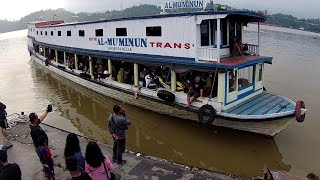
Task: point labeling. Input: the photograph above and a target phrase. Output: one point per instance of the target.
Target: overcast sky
(15, 9)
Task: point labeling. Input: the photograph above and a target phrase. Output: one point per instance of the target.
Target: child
(45, 157)
(72, 166)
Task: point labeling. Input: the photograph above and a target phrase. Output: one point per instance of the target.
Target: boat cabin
(171, 48)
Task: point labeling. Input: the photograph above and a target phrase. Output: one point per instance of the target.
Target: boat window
(41, 33)
(245, 76)
(99, 32)
(232, 30)
(121, 31)
(51, 33)
(153, 31)
(224, 32)
(204, 30)
(239, 29)
(232, 81)
(68, 33)
(260, 73)
(81, 33)
(37, 32)
(46, 33)
(59, 33)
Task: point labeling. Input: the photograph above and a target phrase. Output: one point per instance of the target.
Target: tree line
(287, 21)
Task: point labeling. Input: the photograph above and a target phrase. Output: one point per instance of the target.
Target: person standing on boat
(195, 90)
(4, 125)
(118, 123)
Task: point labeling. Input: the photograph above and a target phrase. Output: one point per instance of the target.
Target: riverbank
(137, 167)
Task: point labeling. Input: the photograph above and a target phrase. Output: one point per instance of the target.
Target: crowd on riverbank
(94, 165)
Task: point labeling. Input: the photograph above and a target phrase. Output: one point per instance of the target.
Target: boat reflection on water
(173, 139)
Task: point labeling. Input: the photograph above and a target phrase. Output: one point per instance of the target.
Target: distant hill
(289, 21)
(141, 10)
(67, 16)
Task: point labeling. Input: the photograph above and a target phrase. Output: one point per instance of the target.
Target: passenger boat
(174, 47)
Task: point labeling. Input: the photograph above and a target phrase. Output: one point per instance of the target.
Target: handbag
(113, 175)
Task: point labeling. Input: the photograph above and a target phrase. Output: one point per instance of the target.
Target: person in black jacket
(4, 125)
(9, 171)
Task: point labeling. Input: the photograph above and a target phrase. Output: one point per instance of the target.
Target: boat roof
(229, 63)
(247, 16)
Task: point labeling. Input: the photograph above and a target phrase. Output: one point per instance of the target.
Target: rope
(15, 118)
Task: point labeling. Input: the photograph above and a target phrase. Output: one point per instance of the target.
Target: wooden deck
(235, 61)
(266, 105)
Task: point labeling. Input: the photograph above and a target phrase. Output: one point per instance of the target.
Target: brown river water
(294, 73)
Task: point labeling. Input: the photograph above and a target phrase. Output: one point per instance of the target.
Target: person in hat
(10, 171)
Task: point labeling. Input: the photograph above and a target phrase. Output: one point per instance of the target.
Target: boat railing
(208, 54)
(253, 49)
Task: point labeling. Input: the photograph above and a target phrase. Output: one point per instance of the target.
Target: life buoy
(208, 111)
(166, 95)
(299, 116)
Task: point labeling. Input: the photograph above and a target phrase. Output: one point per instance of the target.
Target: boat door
(231, 86)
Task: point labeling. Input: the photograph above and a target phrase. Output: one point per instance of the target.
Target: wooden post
(90, 66)
(221, 86)
(110, 68)
(218, 38)
(56, 55)
(65, 58)
(210, 31)
(76, 61)
(136, 74)
(173, 81)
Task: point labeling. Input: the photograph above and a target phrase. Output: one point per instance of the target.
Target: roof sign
(184, 4)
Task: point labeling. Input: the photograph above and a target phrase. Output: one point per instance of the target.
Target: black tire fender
(166, 95)
(299, 116)
(202, 111)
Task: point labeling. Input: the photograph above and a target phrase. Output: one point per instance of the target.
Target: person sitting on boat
(236, 47)
(147, 79)
(71, 64)
(120, 76)
(195, 90)
(245, 49)
(95, 72)
(100, 72)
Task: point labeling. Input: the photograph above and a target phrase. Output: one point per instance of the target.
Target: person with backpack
(118, 123)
